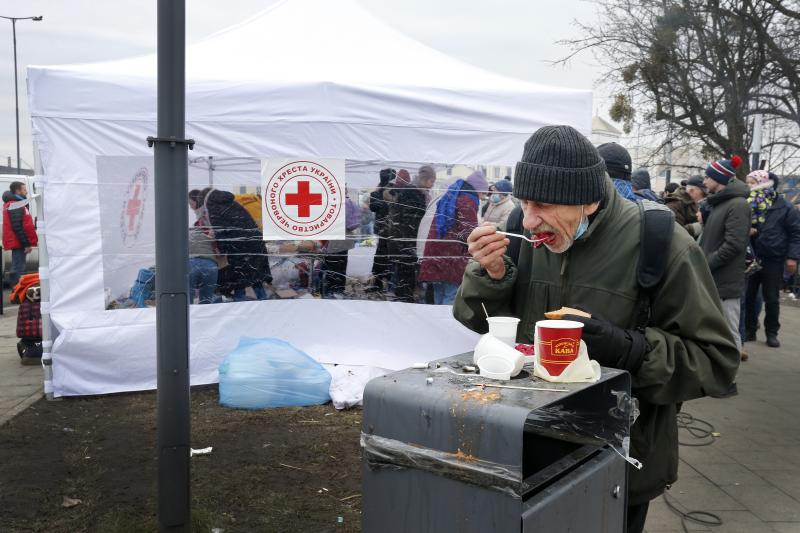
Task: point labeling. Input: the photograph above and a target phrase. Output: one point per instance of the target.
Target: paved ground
(20, 386)
(750, 477)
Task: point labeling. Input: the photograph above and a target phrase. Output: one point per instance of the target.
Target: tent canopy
(320, 62)
(313, 78)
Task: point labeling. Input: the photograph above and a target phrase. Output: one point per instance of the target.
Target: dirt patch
(291, 469)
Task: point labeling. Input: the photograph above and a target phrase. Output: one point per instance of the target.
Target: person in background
(671, 187)
(682, 351)
(239, 240)
(407, 204)
(446, 254)
(334, 262)
(640, 181)
(618, 166)
(252, 204)
(775, 238)
(500, 204)
(724, 239)
(485, 205)
(19, 231)
(203, 268)
(684, 204)
(696, 188)
(367, 227)
(381, 263)
(425, 180)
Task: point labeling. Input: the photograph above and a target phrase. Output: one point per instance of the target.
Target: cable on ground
(697, 428)
(706, 434)
(699, 517)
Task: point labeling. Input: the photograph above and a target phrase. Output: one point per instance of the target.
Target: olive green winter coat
(725, 236)
(692, 351)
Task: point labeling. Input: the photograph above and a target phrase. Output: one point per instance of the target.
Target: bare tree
(699, 68)
(780, 94)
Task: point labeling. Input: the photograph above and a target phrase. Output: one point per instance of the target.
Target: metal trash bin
(450, 455)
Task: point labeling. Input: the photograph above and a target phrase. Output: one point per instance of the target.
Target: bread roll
(559, 314)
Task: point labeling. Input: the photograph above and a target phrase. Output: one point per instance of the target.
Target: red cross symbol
(303, 199)
(133, 208)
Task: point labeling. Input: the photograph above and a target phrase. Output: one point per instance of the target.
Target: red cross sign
(303, 199)
(133, 207)
(134, 203)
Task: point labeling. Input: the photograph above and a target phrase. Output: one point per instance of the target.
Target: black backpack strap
(514, 225)
(657, 226)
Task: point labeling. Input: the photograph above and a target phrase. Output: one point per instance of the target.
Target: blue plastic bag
(144, 286)
(269, 372)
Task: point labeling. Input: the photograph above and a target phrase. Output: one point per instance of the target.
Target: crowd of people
(747, 229)
(229, 260)
(419, 234)
(420, 237)
(421, 251)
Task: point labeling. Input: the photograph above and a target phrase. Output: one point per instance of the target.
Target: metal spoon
(532, 241)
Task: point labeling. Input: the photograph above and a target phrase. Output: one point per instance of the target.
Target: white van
(32, 260)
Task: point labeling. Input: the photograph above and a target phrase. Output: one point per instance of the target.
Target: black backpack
(656, 237)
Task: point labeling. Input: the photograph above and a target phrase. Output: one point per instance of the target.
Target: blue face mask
(495, 198)
(583, 225)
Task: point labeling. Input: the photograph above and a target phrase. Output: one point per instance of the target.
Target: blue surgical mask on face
(495, 198)
(583, 225)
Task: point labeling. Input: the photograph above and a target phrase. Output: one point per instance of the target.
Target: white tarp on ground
(306, 77)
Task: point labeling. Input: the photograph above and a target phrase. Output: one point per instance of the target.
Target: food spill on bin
(465, 457)
(481, 395)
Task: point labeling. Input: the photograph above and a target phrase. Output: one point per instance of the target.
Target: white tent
(303, 78)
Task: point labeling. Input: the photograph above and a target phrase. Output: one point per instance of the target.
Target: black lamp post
(16, 84)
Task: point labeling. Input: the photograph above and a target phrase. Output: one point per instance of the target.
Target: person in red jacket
(446, 254)
(19, 231)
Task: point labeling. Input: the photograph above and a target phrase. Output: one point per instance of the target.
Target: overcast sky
(512, 37)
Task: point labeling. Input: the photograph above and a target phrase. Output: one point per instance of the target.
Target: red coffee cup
(558, 343)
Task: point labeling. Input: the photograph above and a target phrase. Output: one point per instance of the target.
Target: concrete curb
(24, 404)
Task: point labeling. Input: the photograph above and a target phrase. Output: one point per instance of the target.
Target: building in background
(8, 169)
(604, 132)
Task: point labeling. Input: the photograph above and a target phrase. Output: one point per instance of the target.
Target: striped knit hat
(724, 170)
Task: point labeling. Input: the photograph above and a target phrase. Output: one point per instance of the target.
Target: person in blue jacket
(775, 237)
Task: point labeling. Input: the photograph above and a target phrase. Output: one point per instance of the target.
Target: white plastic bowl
(495, 367)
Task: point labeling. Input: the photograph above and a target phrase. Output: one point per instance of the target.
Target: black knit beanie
(560, 166)
(641, 180)
(387, 175)
(618, 160)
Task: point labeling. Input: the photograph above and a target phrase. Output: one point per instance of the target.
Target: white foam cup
(495, 367)
(504, 328)
(491, 345)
